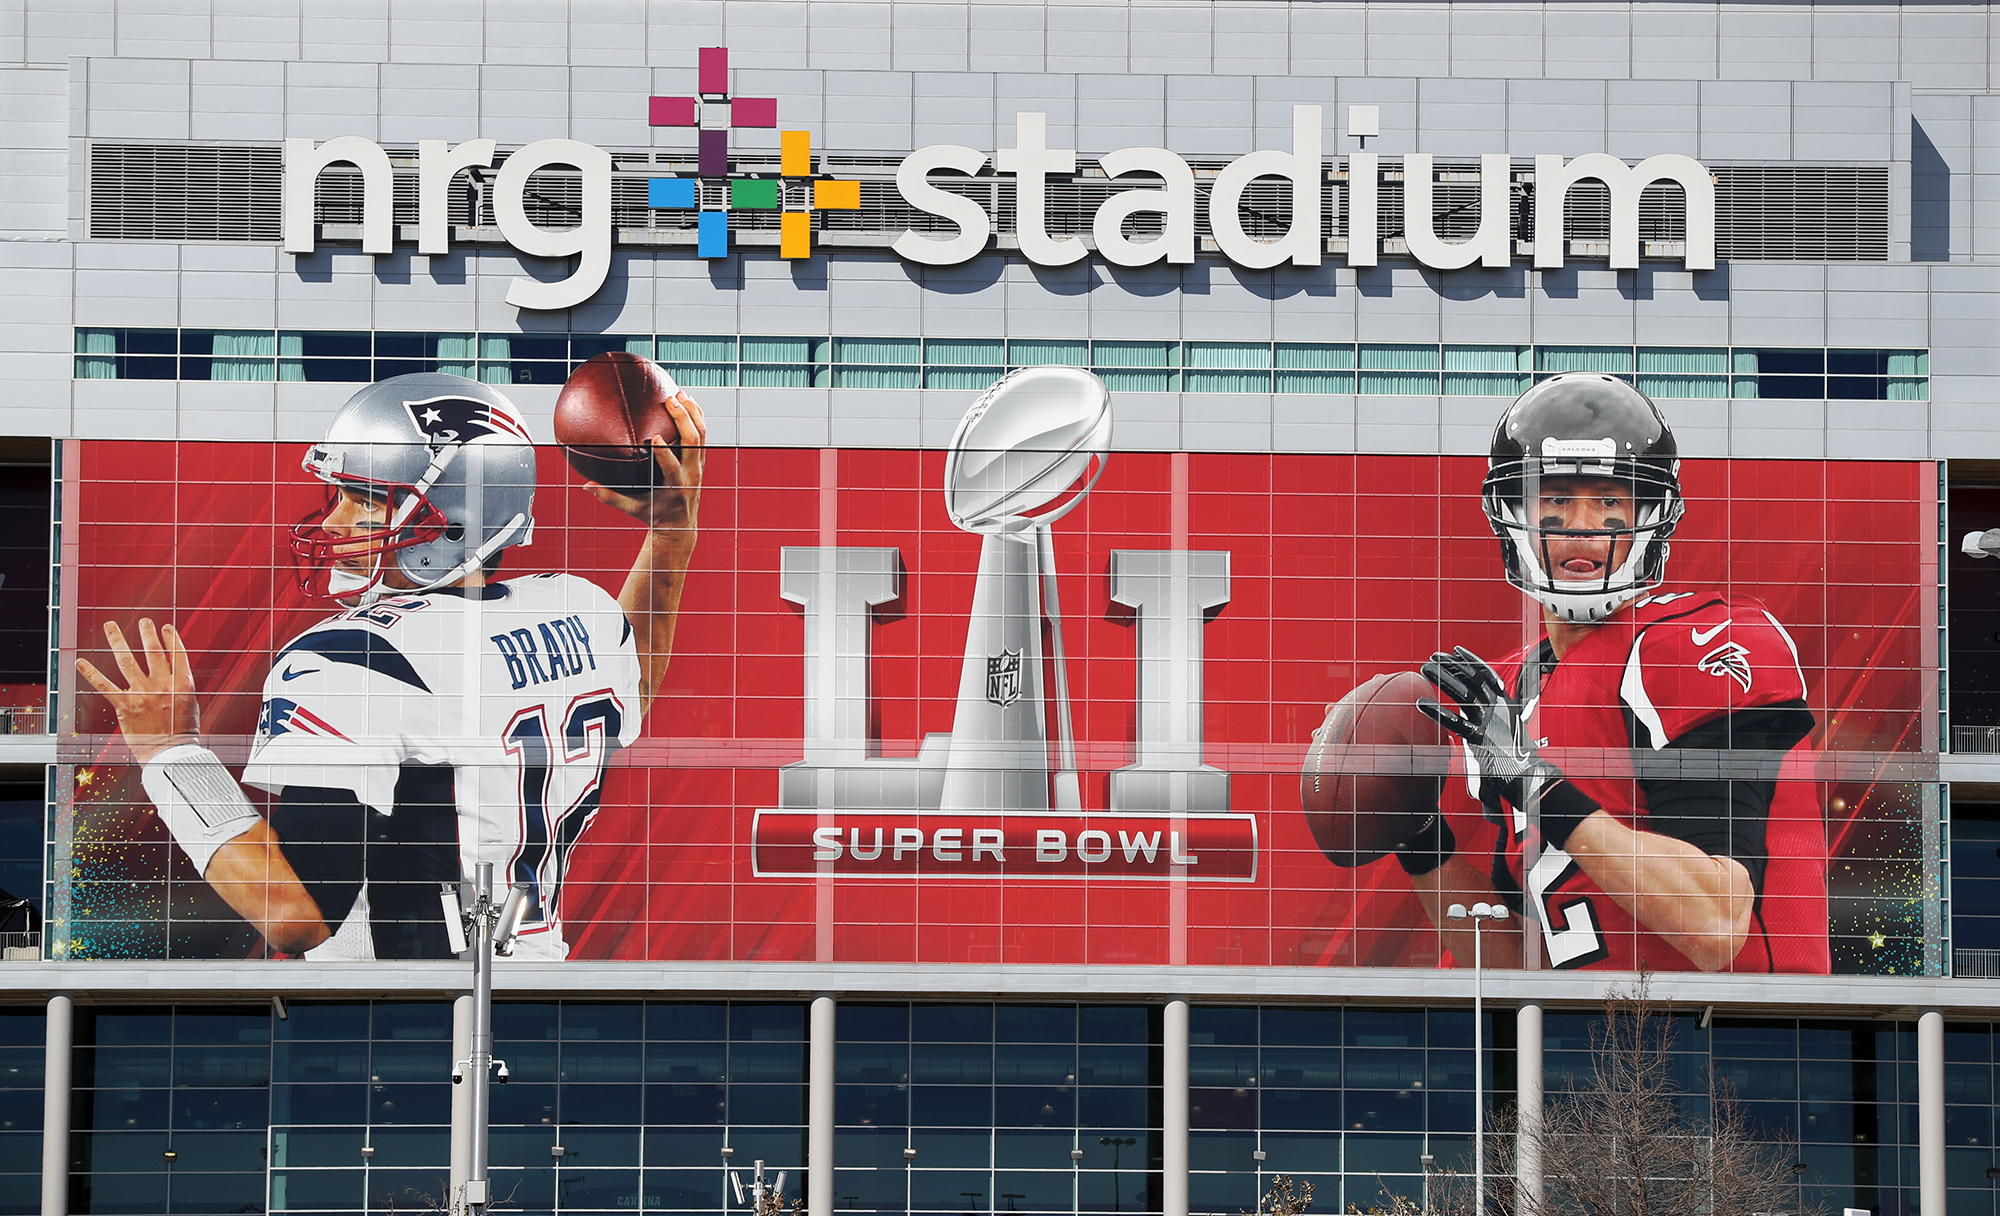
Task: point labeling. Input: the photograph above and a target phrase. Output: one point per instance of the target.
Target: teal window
(1136, 367)
(1683, 371)
(877, 363)
(1391, 369)
(699, 362)
(1778, 373)
(1612, 360)
(1314, 367)
(1228, 367)
(222, 355)
(1486, 371)
(784, 363)
(1038, 352)
(339, 356)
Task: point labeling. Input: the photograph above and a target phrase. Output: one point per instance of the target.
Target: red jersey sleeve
(1690, 669)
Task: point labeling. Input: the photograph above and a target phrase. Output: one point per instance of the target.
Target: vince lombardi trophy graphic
(1023, 456)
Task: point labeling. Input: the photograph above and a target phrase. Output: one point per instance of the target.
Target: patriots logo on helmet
(1729, 660)
(448, 420)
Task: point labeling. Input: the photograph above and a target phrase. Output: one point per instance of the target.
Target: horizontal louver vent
(169, 192)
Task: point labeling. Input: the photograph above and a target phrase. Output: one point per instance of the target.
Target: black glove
(1496, 740)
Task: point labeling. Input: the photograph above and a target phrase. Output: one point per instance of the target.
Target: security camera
(457, 1074)
(501, 1074)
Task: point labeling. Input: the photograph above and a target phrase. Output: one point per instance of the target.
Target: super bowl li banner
(1030, 699)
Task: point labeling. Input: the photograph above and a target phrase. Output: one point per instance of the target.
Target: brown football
(1372, 774)
(605, 414)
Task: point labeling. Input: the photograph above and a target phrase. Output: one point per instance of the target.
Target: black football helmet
(1583, 424)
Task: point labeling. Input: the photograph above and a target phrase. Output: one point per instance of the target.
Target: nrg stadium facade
(1312, 250)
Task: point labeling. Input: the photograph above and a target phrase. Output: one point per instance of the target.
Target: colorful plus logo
(797, 192)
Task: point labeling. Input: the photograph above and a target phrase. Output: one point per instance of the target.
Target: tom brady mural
(1030, 699)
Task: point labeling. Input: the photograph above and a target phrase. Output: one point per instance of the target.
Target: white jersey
(505, 701)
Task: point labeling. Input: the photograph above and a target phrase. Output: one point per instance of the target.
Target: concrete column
(1528, 1094)
(1174, 1110)
(1930, 1114)
(819, 1109)
(461, 1096)
(55, 1105)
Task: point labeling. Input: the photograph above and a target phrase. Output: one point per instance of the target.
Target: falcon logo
(1003, 678)
(1730, 660)
(448, 420)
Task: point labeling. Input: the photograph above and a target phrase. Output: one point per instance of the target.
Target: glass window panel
(685, 1062)
(1212, 1024)
(1315, 382)
(546, 347)
(329, 344)
(1136, 382)
(1383, 1028)
(1222, 1107)
(950, 1105)
(1377, 356)
(1034, 1106)
(1296, 1154)
(1035, 1023)
(333, 371)
(1031, 1064)
(518, 1103)
(1616, 360)
(1394, 384)
(784, 350)
(1385, 1110)
(413, 1103)
(1104, 1065)
(1856, 388)
(961, 378)
(1232, 1066)
(1315, 356)
(1301, 1067)
(1487, 359)
(317, 1146)
(772, 1062)
(964, 351)
(1790, 387)
(97, 342)
(598, 1104)
(1666, 386)
(591, 1020)
(871, 1147)
(223, 1066)
(122, 1067)
(951, 1063)
(1857, 362)
(955, 1147)
(418, 1060)
(673, 1020)
(1908, 362)
(781, 1147)
(600, 1062)
(700, 1146)
(1301, 1027)
(319, 1103)
(877, 350)
(876, 377)
(1966, 1125)
(951, 1023)
(949, 1191)
(1784, 361)
(873, 1063)
(222, 1026)
(702, 375)
(1743, 388)
(219, 1109)
(1228, 354)
(129, 1027)
(1225, 1192)
(1032, 1148)
(766, 1103)
(1476, 384)
(684, 1104)
(1299, 1109)
(765, 376)
(870, 1190)
(1033, 352)
(584, 346)
(1683, 360)
(532, 1061)
(1901, 389)
(681, 348)
(1135, 354)
(1226, 382)
(1122, 1106)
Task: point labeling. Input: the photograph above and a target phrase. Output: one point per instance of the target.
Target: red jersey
(1695, 671)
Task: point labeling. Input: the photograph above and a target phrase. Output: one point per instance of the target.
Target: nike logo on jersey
(291, 673)
(1729, 660)
(1702, 638)
(564, 650)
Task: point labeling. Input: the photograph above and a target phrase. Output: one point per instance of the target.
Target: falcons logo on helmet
(448, 420)
(1729, 660)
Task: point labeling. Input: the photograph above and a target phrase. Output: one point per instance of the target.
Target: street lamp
(1479, 912)
(488, 928)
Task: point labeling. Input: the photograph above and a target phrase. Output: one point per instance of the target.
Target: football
(1028, 450)
(605, 414)
(1372, 775)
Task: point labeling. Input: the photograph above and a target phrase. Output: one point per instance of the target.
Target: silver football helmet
(450, 462)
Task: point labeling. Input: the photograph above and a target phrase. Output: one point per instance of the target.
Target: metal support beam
(1528, 1094)
(461, 1095)
(1930, 1114)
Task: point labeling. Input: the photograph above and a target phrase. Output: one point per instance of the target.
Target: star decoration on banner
(797, 192)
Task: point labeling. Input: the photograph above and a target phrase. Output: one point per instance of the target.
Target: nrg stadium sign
(1163, 186)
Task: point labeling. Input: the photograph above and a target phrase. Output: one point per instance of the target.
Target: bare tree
(1286, 1198)
(1630, 1139)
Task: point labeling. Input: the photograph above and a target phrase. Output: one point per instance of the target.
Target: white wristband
(198, 800)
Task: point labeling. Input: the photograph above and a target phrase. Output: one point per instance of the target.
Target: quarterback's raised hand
(1490, 723)
(651, 596)
(157, 708)
(674, 504)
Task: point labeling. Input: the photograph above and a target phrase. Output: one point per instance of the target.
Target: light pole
(492, 927)
(1480, 912)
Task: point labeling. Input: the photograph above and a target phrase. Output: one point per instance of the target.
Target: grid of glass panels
(22, 1032)
(729, 361)
(997, 1108)
(1349, 1099)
